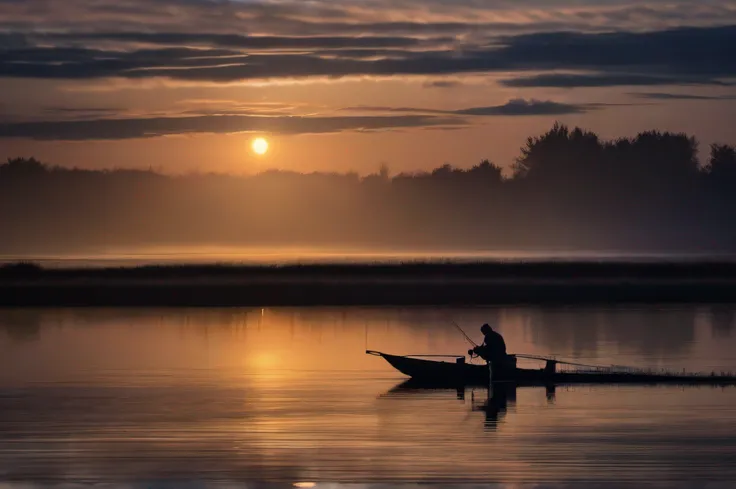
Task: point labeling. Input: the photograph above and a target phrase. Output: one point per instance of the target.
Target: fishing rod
(463, 333)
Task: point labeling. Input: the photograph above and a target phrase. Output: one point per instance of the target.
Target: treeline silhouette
(568, 189)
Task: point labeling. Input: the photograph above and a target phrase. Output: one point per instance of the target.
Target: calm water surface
(288, 395)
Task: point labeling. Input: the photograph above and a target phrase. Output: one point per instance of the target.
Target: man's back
(496, 345)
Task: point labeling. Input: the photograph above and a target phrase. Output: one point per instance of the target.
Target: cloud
(604, 80)
(232, 118)
(112, 129)
(680, 96)
(698, 52)
(13, 40)
(515, 107)
(87, 110)
(499, 17)
(244, 42)
(299, 18)
(442, 84)
(521, 107)
(673, 57)
(71, 113)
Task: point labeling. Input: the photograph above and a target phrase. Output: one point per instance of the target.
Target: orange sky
(349, 86)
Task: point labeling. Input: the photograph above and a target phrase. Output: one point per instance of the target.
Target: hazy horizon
(570, 192)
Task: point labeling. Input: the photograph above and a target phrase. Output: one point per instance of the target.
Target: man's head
(485, 329)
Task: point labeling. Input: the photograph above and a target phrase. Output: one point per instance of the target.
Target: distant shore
(483, 283)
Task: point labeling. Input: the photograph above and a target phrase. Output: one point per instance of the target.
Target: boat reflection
(494, 402)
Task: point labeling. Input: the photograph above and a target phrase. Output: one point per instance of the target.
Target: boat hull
(440, 372)
(465, 374)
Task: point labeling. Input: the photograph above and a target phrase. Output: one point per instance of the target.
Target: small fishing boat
(425, 369)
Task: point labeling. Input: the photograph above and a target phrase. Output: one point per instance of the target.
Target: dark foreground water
(153, 398)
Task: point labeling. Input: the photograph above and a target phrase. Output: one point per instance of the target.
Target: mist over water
(288, 395)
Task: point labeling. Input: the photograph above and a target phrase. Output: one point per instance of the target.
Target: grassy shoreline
(448, 268)
(405, 284)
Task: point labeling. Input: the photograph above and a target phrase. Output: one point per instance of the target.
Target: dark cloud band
(399, 117)
(516, 107)
(680, 96)
(110, 129)
(244, 42)
(680, 56)
(605, 80)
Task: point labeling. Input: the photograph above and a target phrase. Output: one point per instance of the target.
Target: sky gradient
(185, 85)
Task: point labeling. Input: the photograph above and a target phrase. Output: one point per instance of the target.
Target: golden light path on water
(288, 395)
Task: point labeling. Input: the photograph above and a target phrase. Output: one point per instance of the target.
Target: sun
(260, 146)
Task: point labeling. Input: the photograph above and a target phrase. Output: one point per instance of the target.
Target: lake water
(141, 398)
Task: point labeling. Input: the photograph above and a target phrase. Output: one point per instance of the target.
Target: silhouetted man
(493, 349)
